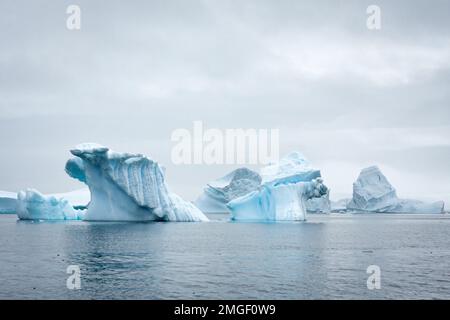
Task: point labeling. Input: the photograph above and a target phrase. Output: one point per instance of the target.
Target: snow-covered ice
(33, 205)
(372, 192)
(127, 187)
(219, 192)
(8, 202)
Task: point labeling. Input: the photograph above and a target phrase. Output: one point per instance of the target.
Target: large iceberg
(33, 205)
(372, 192)
(219, 192)
(285, 189)
(127, 187)
(8, 202)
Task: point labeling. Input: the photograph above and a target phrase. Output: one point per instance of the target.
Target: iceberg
(276, 202)
(372, 192)
(127, 187)
(33, 205)
(219, 192)
(8, 202)
(286, 187)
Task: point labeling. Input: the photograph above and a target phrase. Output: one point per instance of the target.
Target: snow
(372, 192)
(219, 192)
(127, 187)
(33, 205)
(8, 202)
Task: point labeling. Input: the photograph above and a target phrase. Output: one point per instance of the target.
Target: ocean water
(323, 258)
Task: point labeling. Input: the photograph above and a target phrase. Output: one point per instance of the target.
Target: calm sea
(324, 258)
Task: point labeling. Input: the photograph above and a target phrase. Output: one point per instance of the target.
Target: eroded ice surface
(33, 205)
(127, 187)
(219, 192)
(8, 202)
(372, 192)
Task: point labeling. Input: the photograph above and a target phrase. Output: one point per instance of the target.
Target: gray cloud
(343, 95)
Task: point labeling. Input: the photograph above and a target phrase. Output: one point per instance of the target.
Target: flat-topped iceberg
(33, 205)
(372, 192)
(127, 187)
(8, 202)
(219, 192)
(282, 196)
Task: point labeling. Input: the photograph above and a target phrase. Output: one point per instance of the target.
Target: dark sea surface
(323, 258)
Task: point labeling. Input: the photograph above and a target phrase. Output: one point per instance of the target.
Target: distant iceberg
(33, 205)
(8, 202)
(285, 189)
(219, 192)
(127, 187)
(372, 192)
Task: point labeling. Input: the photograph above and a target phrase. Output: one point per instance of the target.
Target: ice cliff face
(127, 187)
(8, 202)
(32, 205)
(372, 192)
(221, 191)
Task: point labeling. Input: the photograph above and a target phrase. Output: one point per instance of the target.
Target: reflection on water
(325, 257)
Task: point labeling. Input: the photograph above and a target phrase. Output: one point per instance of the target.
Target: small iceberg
(33, 205)
(8, 202)
(372, 192)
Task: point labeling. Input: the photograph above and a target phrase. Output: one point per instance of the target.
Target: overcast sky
(345, 96)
